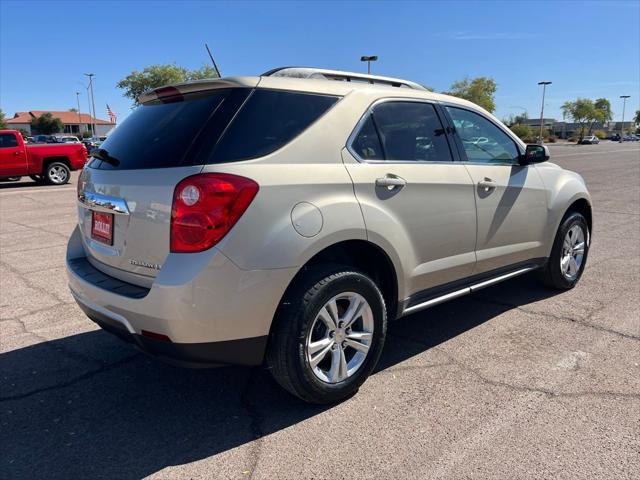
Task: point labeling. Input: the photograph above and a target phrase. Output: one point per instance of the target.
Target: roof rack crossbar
(308, 72)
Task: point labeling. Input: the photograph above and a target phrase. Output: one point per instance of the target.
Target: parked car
(44, 139)
(67, 139)
(292, 223)
(48, 163)
(630, 138)
(615, 137)
(589, 140)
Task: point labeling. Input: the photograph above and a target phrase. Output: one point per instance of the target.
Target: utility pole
(79, 114)
(369, 59)
(624, 104)
(93, 103)
(544, 87)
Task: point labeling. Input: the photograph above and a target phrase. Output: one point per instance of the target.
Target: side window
(411, 131)
(367, 143)
(8, 140)
(483, 141)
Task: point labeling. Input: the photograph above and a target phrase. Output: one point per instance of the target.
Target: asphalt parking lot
(513, 382)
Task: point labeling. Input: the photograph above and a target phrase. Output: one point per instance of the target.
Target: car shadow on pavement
(90, 406)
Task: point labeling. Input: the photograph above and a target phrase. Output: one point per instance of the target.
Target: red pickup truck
(50, 163)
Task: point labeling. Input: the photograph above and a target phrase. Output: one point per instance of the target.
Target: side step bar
(465, 291)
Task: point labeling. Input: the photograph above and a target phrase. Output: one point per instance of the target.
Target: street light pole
(79, 114)
(544, 87)
(369, 59)
(93, 103)
(624, 104)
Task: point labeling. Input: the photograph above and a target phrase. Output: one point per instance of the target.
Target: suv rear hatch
(126, 192)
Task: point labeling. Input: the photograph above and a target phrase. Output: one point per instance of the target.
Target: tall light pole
(93, 103)
(79, 114)
(544, 87)
(624, 104)
(369, 59)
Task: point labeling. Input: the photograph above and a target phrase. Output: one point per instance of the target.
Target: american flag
(112, 116)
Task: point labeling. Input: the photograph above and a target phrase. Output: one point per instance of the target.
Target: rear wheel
(569, 254)
(328, 335)
(57, 173)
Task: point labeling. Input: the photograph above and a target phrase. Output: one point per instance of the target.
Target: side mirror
(534, 154)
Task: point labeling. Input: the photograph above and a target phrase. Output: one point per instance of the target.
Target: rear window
(158, 134)
(268, 120)
(195, 129)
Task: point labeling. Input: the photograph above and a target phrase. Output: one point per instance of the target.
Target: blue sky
(588, 49)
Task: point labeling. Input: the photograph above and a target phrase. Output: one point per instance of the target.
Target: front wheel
(57, 173)
(328, 335)
(569, 254)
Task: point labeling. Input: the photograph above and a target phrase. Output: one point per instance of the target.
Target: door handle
(487, 184)
(390, 182)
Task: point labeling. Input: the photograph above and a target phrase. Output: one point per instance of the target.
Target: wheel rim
(340, 337)
(58, 174)
(572, 252)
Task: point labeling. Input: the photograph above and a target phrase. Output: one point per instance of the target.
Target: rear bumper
(211, 311)
(246, 351)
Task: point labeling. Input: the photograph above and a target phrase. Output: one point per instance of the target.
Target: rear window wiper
(102, 154)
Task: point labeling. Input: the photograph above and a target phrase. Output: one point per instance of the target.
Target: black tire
(551, 275)
(57, 173)
(37, 178)
(287, 352)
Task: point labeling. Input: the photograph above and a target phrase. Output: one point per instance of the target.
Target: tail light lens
(205, 207)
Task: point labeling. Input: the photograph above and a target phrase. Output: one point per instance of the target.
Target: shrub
(522, 131)
(600, 134)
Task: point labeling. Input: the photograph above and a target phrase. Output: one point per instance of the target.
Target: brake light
(205, 207)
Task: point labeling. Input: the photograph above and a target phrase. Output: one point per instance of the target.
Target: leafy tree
(154, 76)
(47, 124)
(74, 110)
(580, 111)
(636, 119)
(479, 90)
(601, 112)
(3, 124)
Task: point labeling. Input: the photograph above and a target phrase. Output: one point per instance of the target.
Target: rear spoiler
(198, 86)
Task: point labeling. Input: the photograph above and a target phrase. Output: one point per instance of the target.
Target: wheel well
(49, 160)
(583, 207)
(365, 257)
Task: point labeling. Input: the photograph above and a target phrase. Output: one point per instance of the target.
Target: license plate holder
(102, 227)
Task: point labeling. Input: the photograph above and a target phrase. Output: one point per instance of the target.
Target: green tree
(154, 76)
(47, 124)
(601, 113)
(74, 110)
(636, 119)
(580, 111)
(3, 124)
(479, 90)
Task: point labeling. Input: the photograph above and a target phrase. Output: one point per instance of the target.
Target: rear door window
(8, 140)
(407, 131)
(268, 120)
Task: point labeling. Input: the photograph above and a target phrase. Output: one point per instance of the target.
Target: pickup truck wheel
(57, 173)
(37, 178)
(328, 335)
(569, 253)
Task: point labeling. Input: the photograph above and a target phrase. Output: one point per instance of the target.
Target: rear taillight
(205, 207)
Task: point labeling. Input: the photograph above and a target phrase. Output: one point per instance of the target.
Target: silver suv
(284, 219)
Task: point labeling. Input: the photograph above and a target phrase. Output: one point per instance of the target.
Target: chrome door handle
(390, 182)
(487, 184)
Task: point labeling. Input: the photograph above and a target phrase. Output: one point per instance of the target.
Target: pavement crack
(255, 422)
(73, 381)
(583, 322)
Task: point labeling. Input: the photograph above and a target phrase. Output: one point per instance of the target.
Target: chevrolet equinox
(285, 219)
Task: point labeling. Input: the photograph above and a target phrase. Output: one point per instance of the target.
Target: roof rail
(321, 73)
